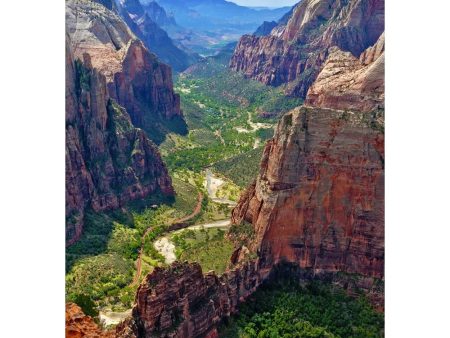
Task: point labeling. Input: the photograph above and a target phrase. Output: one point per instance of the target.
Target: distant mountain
(204, 13)
(265, 28)
(158, 14)
(213, 23)
(142, 20)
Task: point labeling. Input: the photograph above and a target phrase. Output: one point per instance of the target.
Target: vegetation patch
(242, 169)
(209, 247)
(286, 309)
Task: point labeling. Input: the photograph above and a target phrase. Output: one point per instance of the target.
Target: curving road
(194, 213)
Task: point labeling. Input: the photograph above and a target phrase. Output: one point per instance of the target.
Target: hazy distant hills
(146, 21)
(213, 23)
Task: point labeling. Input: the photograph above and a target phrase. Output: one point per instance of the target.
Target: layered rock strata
(294, 52)
(346, 82)
(108, 161)
(135, 78)
(180, 301)
(318, 201)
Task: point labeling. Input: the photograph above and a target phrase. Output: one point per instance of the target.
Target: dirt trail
(254, 126)
(194, 213)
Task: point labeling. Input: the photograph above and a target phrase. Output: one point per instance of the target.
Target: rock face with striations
(318, 201)
(109, 162)
(294, 52)
(346, 82)
(180, 301)
(135, 78)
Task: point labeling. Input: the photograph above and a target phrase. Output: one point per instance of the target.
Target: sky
(265, 3)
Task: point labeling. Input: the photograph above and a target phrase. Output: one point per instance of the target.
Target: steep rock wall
(134, 76)
(294, 52)
(319, 198)
(108, 161)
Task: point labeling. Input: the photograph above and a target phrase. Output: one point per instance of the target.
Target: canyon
(316, 207)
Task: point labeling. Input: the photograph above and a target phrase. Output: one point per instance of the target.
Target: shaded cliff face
(346, 82)
(141, 22)
(134, 76)
(180, 301)
(108, 161)
(294, 52)
(319, 198)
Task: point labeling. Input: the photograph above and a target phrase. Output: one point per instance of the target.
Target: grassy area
(242, 169)
(286, 309)
(209, 247)
(104, 279)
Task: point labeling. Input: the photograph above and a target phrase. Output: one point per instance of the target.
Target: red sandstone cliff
(294, 52)
(108, 161)
(180, 301)
(319, 198)
(346, 82)
(134, 76)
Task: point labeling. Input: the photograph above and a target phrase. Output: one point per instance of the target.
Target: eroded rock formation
(108, 161)
(180, 301)
(346, 82)
(319, 198)
(79, 325)
(295, 50)
(135, 78)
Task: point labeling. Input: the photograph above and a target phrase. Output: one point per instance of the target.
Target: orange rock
(319, 199)
(79, 325)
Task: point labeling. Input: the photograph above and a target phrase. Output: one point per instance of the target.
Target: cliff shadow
(157, 128)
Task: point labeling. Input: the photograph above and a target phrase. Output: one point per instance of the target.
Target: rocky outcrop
(180, 301)
(346, 82)
(135, 78)
(79, 325)
(109, 162)
(318, 201)
(294, 52)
